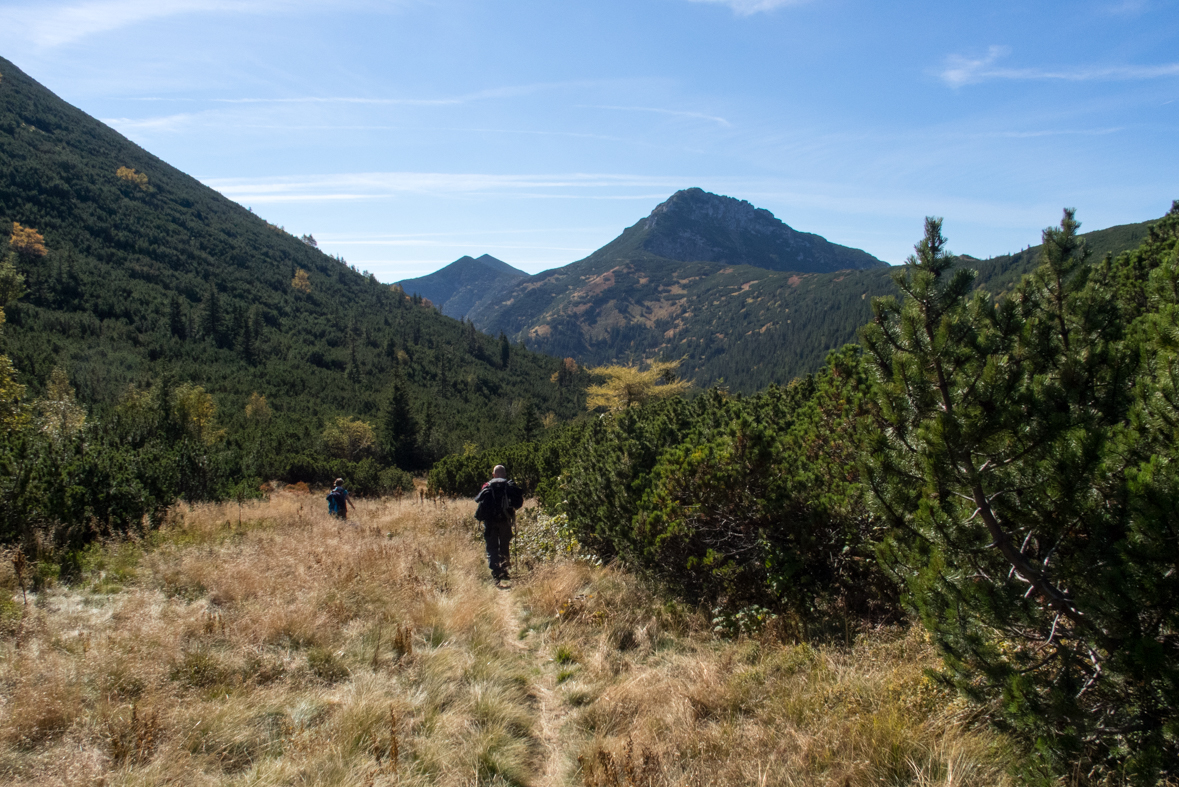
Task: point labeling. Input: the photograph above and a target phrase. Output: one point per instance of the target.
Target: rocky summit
(694, 225)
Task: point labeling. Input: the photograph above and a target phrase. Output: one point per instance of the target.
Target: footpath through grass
(291, 650)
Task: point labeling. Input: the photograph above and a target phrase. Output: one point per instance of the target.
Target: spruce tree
(245, 341)
(353, 370)
(505, 350)
(528, 424)
(398, 430)
(176, 322)
(211, 315)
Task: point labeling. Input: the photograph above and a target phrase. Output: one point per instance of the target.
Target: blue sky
(406, 133)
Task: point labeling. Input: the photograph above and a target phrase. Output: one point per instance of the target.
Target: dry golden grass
(295, 650)
(654, 698)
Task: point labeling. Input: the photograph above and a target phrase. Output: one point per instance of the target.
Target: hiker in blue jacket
(339, 500)
(495, 507)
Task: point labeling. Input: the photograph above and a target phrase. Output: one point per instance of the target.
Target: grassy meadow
(271, 645)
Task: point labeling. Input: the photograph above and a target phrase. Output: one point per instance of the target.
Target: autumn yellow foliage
(131, 176)
(197, 413)
(349, 438)
(12, 412)
(257, 409)
(628, 386)
(59, 413)
(26, 241)
(301, 282)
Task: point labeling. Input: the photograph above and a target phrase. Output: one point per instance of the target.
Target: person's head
(339, 482)
(499, 472)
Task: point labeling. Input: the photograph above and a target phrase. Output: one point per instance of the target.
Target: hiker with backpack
(495, 507)
(339, 500)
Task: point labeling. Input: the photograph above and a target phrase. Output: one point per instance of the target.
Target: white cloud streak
(55, 25)
(750, 7)
(656, 110)
(383, 185)
(960, 70)
(510, 91)
(163, 123)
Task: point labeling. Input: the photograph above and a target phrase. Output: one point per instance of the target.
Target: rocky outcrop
(695, 225)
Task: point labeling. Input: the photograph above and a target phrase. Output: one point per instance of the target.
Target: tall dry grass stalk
(273, 653)
(654, 698)
(294, 649)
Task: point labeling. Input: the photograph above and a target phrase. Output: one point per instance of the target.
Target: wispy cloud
(659, 111)
(508, 91)
(505, 91)
(162, 123)
(960, 70)
(381, 185)
(1063, 132)
(53, 25)
(748, 7)
(1128, 7)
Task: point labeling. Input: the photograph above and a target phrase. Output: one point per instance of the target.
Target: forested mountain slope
(679, 282)
(694, 225)
(148, 272)
(742, 324)
(462, 284)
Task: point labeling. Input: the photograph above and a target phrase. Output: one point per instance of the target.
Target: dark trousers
(498, 536)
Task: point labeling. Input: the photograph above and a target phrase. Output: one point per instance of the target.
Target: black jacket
(490, 502)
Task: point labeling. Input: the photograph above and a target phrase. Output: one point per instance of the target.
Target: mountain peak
(456, 288)
(694, 225)
(696, 204)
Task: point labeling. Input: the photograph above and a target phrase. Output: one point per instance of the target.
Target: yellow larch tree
(301, 282)
(629, 386)
(349, 438)
(131, 176)
(59, 413)
(196, 412)
(26, 241)
(257, 410)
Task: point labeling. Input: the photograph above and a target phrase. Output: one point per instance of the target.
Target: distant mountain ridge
(694, 225)
(741, 325)
(458, 288)
(673, 274)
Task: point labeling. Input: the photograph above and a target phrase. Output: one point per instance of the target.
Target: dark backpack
(336, 502)
(496, 503)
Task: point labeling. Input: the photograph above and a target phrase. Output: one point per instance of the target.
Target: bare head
(499, 472)
(339, 482)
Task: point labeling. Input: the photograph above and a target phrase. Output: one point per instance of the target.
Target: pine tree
(1005, 463)
(505, 350)
(528, 423)
(353, 371)
(398, 430)
(176, 322)
(211, 315)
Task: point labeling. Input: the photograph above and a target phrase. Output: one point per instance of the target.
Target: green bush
(739, 500)
(1025, 459)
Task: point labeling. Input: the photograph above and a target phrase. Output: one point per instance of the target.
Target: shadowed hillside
(458, 287)
(148, 272)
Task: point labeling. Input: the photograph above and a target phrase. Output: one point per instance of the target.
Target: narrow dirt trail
(550, 710)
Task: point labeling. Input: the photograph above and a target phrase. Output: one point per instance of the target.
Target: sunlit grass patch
(291, 649)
